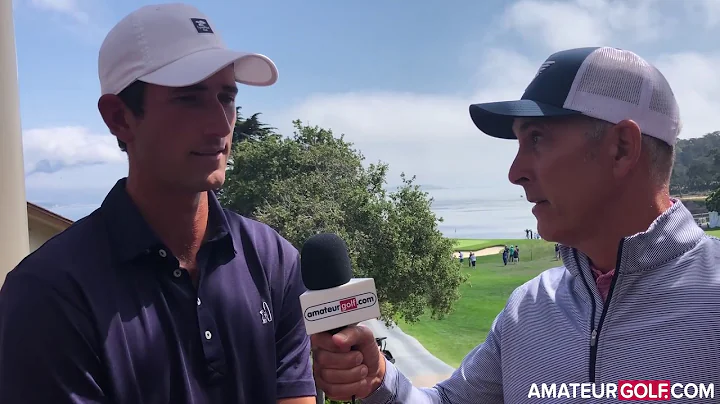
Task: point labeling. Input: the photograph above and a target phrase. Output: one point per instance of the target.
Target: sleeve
(477, 380)
(294, 369)
(46, 354)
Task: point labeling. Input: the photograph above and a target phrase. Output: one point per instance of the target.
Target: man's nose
(519, 172)
(220, 119)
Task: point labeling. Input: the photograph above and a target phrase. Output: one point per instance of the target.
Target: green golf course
(483, 296)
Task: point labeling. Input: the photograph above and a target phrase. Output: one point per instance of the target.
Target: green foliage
(315, 182)
(712, 202)
(249, 129)
(697, 165)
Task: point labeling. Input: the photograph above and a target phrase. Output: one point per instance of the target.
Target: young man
(160, 295)
(637, 296)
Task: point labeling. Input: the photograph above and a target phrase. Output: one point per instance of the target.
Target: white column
(14, 238)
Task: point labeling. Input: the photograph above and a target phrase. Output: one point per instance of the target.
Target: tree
(712, 202)
(250, 128)
(697, 165)
(315, 182)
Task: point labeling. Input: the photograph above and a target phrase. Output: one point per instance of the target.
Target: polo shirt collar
(672, 234)
(131, 236)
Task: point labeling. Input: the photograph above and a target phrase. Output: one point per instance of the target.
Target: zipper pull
(593, 337)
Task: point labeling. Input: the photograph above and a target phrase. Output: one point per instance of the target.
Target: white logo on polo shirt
(266, 313)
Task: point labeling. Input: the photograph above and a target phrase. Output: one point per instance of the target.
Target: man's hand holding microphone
(347, 362)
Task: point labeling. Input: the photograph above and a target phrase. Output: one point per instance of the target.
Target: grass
(483, 297)
(464, 244)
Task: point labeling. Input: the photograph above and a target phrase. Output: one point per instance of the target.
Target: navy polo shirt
(102, 313)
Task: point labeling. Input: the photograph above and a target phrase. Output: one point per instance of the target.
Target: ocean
(468, 212)
(485, 213)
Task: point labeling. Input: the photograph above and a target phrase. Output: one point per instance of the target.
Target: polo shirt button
(162, 253)
(208, 335)
(177, 273)
(198, 301)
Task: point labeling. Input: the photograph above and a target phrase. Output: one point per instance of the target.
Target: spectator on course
(637, 297)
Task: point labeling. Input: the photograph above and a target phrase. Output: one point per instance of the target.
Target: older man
(637, 297)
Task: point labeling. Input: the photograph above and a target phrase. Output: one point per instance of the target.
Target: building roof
(51, 219)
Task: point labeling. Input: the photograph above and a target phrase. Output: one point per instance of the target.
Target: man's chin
(215, 180)
(211, 183)
(545, 232)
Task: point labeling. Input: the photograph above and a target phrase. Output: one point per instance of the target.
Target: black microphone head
(325, 262)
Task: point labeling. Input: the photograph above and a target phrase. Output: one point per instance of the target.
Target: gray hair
(660, 154)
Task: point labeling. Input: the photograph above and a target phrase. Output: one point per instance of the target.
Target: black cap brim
(496, 118)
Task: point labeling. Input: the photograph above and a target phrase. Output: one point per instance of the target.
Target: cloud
(428, 135)
(709, 10)
(49, 150)
(69, 170)
(74, 191)
(67, 7)
(558, 25)
(388, 116)
(696, 82)
(87, 20)
(432, 136)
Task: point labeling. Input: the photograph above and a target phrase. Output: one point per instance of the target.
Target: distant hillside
(697, 165)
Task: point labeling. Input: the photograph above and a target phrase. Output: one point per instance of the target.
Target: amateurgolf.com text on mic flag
(626, 390)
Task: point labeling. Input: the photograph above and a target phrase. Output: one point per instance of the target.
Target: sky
(395, 77)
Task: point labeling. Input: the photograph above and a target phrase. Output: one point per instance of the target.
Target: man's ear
(117, 117)
(627, 146)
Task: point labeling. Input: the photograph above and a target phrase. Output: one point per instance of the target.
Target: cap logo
(202, 26)
(544, 66)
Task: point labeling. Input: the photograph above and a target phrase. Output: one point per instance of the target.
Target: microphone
(334, 299)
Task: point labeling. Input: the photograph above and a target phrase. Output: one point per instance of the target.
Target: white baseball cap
(173, 45)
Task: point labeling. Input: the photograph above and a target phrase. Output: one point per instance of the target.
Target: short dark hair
(660, 153)
(133, 96)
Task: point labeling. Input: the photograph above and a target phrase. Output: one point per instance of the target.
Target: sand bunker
(480, 253)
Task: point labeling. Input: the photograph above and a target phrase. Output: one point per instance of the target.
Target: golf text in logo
(662, 390)
(624, 390)
(329, 309)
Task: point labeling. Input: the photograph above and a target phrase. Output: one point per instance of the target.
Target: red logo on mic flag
(348, 304)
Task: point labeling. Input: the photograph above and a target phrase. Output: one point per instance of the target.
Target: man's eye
(535, 137)
(227, 99)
